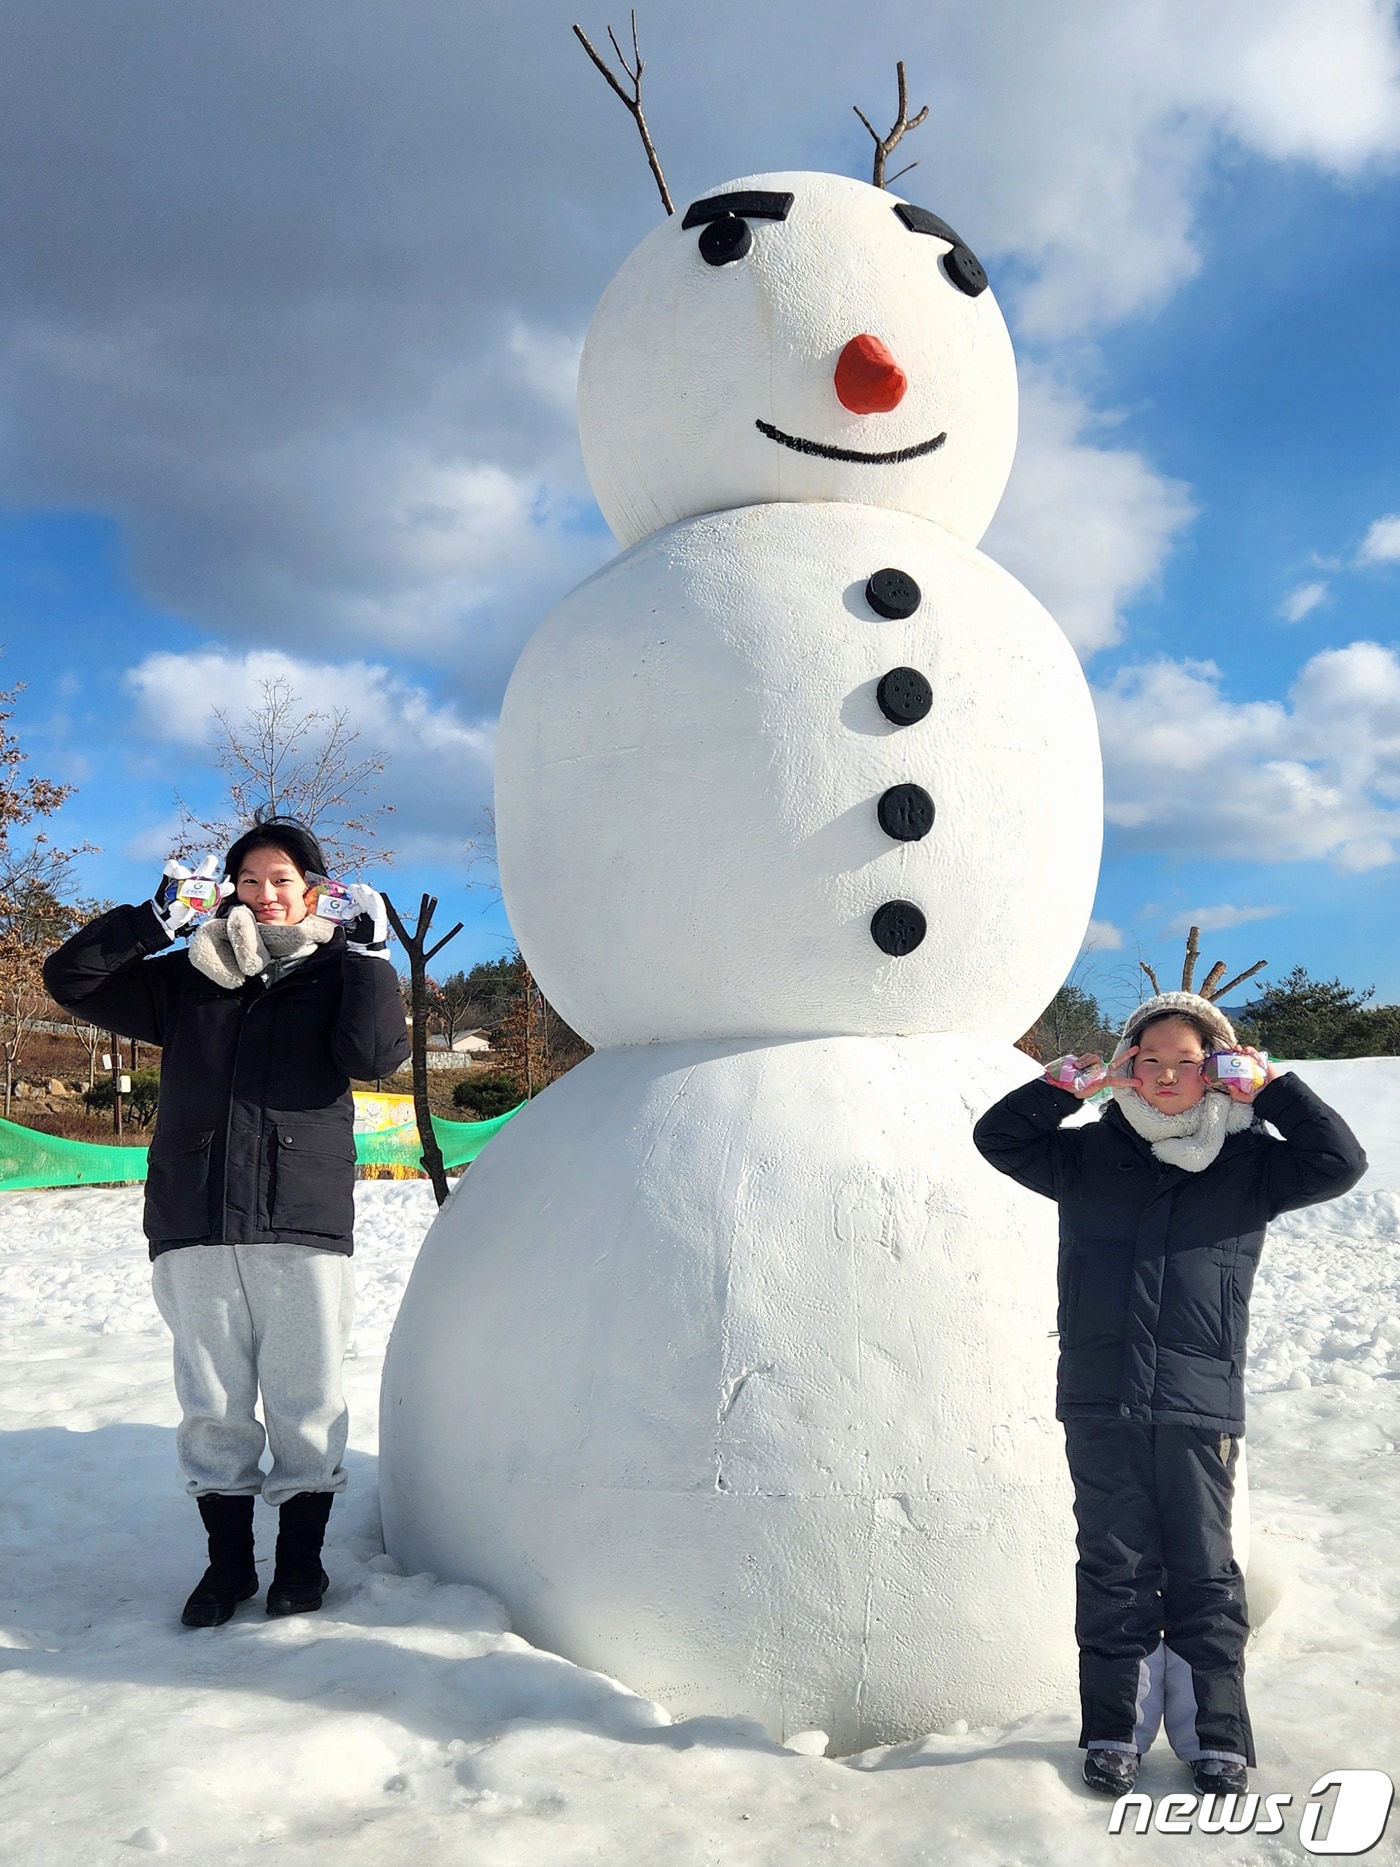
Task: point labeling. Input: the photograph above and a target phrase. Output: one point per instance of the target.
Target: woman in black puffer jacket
(1163, 1205)
(250, 1193)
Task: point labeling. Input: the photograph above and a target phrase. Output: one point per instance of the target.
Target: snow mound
(406, 1723)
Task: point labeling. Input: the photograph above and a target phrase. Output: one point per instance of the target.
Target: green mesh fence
(460, 1142)
(29, 1159)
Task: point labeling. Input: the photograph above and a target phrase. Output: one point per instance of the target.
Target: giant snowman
(729, 1365)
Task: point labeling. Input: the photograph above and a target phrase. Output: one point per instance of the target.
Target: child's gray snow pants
(247, 1317)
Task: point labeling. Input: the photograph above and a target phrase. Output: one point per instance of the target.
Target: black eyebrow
(746, 204)
(919, 220)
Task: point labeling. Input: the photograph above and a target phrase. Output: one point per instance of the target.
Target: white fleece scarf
(235, 949)
(1191, 1139)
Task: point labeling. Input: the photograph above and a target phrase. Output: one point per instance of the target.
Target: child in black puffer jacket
(1163, 1206)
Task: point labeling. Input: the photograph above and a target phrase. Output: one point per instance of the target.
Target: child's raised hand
(1119, 1073)
(1246, 1092)
(1084, 1076)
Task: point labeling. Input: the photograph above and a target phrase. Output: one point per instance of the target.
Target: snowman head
(798, 337)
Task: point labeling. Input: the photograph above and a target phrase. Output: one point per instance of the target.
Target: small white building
(467, 1048)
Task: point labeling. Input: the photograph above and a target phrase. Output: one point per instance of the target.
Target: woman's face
(1167, 1067)
(272, 885)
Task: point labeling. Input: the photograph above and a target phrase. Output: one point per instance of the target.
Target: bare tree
(884, 145)
(35, 877)
(289, 760)
(90, 1037)
(521, 1037)
(454, 1002)
(633, 99)
(482, 864)
(419, 953)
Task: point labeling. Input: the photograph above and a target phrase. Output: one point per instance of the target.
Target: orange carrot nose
(868, 380)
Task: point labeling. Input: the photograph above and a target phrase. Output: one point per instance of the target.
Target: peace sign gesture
(1086, 1076)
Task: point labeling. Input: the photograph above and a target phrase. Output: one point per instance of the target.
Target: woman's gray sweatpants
(244, 1317)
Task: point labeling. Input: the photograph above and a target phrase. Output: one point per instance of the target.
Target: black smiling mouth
(800, 446)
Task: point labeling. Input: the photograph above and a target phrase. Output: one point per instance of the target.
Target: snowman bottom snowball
(728, 1368)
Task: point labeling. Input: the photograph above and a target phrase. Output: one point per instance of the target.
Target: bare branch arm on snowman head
(901, 125)
(634, 101)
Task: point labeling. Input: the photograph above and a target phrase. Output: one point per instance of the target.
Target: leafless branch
(1151, 976)
(1240, 977)
(901, 126)
(1188, 965)
(480, 853)
(291, 762)
(1212, 979)
(633, 101)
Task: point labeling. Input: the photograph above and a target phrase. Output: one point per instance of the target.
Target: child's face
(1167, 1067)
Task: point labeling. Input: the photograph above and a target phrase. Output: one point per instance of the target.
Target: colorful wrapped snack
(1075, 1073)
(1223, 1067)
(331, 900)
(201, 894)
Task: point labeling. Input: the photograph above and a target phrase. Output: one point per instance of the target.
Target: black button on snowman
(905, 811)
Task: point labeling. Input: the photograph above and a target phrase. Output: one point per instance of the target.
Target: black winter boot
(230, 1577)
(1218, 1776)
(1111, 1772)
(299, 1581)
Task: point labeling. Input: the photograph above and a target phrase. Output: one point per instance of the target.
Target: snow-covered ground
(405, 1723)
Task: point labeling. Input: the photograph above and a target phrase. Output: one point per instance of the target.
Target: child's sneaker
(1111, 1772)
(1216, 1776)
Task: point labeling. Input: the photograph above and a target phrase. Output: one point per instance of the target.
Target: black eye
(966, 271)
(725, 240)
(961, 265)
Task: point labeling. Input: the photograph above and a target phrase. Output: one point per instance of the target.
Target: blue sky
(286, 348)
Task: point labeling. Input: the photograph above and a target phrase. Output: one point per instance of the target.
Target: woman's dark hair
(289, 835)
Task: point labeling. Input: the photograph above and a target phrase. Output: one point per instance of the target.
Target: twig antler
(1238, 979)
(634, 101)
(884, 144)
(1211, 988)
(1188, 969)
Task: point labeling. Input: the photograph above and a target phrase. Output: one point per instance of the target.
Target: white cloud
(153, 842)
(548, 363)
(1218, 919)
(1102, 118)
(439, 770)
(336, 413)
(1381, 545)
(1315, 79)
(1102, 937)
(1302, 601)
(1086, 527)
(1189, 772)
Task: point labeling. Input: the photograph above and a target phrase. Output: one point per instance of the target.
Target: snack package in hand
(1069, 1073)
(333, 901)
(201, 894)
(1233, 1066)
